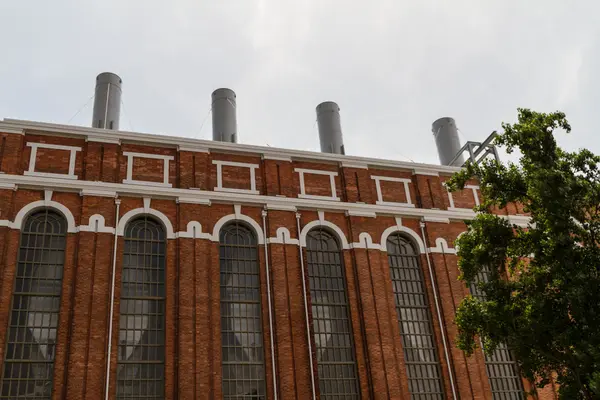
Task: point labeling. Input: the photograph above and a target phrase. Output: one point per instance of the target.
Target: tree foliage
(543, 295)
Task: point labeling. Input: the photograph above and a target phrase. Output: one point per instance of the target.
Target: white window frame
(251, 167)
(32, 157)
(405, 181)
(474, 188)
(332, 175)
(130, 156)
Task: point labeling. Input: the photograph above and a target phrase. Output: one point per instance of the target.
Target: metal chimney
(447, 141)
(107, 101)
(224, 119)
(330, 128)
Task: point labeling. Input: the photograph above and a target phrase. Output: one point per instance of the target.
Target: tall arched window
(500, 365)
(30, 349)
(414, 317)
(141, 348)
(332, 328)
(241, 323)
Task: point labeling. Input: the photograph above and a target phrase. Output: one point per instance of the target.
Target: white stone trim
(365, 241)
(283, 236)
(240, 217)
(97, 224)
(193, 149)
(441, 247)
(332, 175)
(129, 180)
(330, 225)
(9, 186)
(33, 155)
(427, 172)
(98, 193)
(280, 207)
(145, 211)
(276, 157)
(347, 164)
(361, 214)
(252, 167)
(194, 231)
(29, 208)
(380, 200)
(193, 200)
(437, 219)
(400, 228)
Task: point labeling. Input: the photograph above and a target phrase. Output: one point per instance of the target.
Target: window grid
(414, 318)
(241, 322)
(332, 328)
(30, 350)
(141, 348)
(500, 365)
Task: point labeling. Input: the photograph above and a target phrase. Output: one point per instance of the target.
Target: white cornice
(103, 135)
(203, 196)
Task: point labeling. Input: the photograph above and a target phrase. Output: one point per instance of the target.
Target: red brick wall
(193, 339)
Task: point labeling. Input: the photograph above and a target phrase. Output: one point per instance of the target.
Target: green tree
(543, 294)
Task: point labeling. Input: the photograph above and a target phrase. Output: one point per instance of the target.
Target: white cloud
(393, 66)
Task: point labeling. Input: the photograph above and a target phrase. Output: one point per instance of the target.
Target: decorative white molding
(130, 156)
(98, 193)
(9, 186)
(96, 134)
(380, 200)
(441, 246)
(33, 156)
(303, 195)
(403, 229)
(336, 229)
(193, 149)
(112, 140)
(251, 167)
(435, 219)
(97, 224)
(193, 200)
(143, 211)
(29, 208)
(280, 207)
(194, 231)
(276, 157)
(217, 197)
(428, 172)
(366, 242)
(283, 236)
(347, 164)
(241, 217)
(14, 131)
(361, 214)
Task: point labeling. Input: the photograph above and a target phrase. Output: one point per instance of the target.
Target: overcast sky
(393, 66)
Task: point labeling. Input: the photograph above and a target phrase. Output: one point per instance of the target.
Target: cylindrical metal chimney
(224, 119)
(330, 128)
(447, 141)
(107, 101)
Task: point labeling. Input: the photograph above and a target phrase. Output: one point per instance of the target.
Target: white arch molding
(402, 229)
(129, 215)
(31, 207)
(239, 217)
(321, 222)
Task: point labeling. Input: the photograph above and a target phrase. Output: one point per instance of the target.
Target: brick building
(145, 266)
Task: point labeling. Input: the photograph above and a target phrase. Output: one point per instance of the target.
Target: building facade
(144, 266)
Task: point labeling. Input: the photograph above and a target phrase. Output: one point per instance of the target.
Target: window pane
(30, 350)
(330, 315)
(414, 317)
(241, 323)
(500, 364)
(141, 347)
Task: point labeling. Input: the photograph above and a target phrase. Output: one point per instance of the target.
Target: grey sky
(393, 66)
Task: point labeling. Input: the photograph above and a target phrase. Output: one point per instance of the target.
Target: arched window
(29, 358)
(141, 348)
(500, 365)
(414, 317)
(332, 328)
(241, 323)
